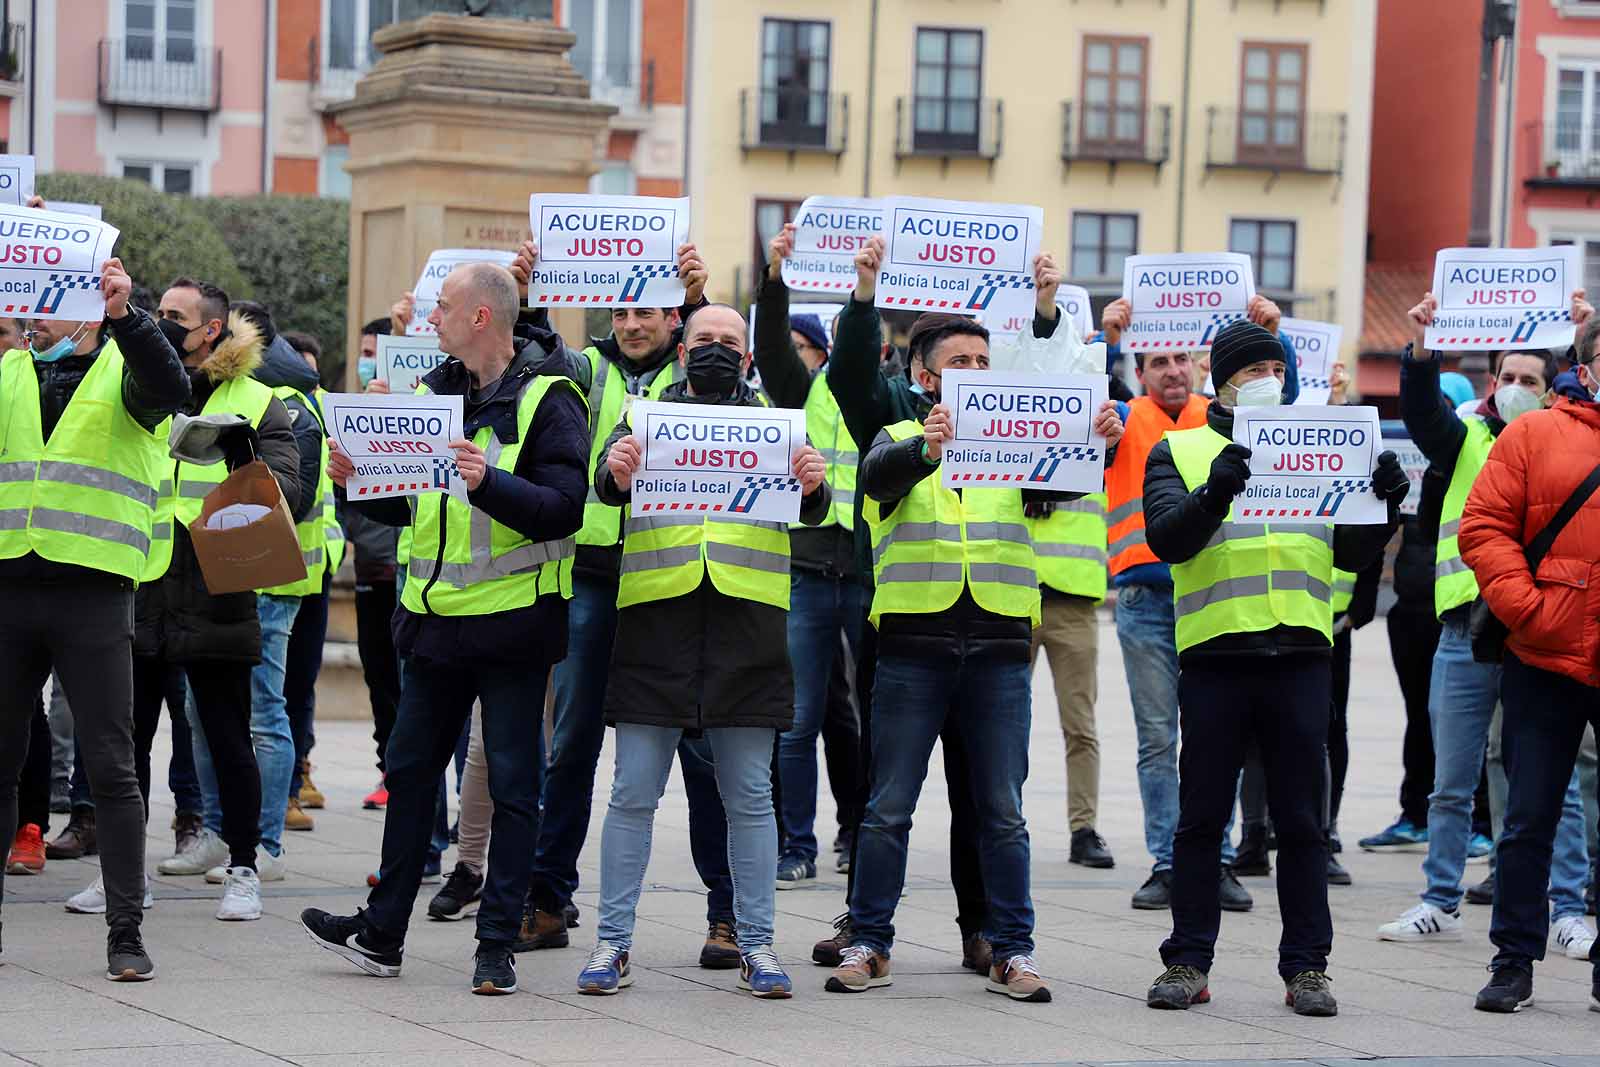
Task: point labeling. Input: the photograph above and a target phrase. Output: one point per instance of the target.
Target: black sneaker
(1088, 849)
(795, 871)
(1594, 993)
(1177, 988)
(1234, 897)
(494, 971)
(1252, 861)
(1510, 988)
(459, 897)
(843, 845)
(1483, 892)
(1155, 894)
(570, 915)
(347, 936)
(1310, 993)
(1337, 875)
(126, 959)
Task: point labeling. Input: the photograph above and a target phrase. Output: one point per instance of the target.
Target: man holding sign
(700, 641)
(1253, 602)
(483, 615)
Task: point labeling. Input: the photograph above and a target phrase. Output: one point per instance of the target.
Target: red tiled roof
(1391, 292)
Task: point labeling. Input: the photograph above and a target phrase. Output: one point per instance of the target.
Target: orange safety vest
(1147, 422)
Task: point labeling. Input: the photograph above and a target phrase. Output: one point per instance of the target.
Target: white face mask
(1258, 393)
(1514, 400)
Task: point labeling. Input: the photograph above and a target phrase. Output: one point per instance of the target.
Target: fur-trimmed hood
(238, 352)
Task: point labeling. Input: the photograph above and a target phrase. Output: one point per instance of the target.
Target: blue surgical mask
(366, 369)
(60, 350)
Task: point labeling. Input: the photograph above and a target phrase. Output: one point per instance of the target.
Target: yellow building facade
(1137, 125)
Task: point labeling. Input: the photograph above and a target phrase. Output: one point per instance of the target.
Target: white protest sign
(72, 207)
(607, 251)
(426, 292)
(1414, 463)
(951, 255)
(828, 232)
(400, 445)
(1075, 298)
(405, 361)
(1028, 431)
(50, 264)
(1491, 298)
(1316, 350)
(1309, 465)
(1004, 329)
(1180, 300)
(732, 461)
(16, 180)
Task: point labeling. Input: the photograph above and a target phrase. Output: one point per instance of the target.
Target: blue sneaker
(606, 972)
(762, 974)
(1478, 848)
(1402, 836)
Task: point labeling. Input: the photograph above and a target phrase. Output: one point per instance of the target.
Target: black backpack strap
(1541, 545)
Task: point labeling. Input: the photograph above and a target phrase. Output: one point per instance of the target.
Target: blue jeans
(743, 767)
(435, 704)
(1146, 623)
(577, 731)
(819, 607)
(989, 701)
(269, 715)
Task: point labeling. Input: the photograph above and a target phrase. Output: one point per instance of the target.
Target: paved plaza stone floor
(258, 993)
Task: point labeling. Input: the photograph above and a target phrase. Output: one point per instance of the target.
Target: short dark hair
(1552, 365)
(376, 328)
(259, 316)
(303, 343)
(935, 326)
(1587, 338)
(213, 298)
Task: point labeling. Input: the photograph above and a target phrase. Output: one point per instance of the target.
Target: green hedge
(290, 253)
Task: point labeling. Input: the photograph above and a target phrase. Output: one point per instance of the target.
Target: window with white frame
(607, 49)
(168, 177)
(1572, 143)
(332, 179)
(163, 31)
(347, 29)
(1590, 245)
(614, 179)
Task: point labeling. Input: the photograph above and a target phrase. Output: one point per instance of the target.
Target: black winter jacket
(276, 372)
(1179, 523)
(705, 659)
(153, 387)
(542, 499)
(188, 624)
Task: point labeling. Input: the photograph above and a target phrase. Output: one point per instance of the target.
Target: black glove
(240, 445)
(1229, 471)
(1389, 479)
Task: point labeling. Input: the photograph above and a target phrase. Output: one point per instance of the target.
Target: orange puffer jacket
(1554, 616)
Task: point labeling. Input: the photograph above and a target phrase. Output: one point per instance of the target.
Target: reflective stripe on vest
(665, 556)
(1344, 590)
(1147, 422)
(1250, 577)
(461, 561)
(934, 542)
(311, 530)
(1454, 584)
(1069, 547)
(608, 390)
(88, 496)
(826, 430)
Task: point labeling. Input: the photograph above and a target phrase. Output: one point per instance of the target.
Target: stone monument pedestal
(455, 125)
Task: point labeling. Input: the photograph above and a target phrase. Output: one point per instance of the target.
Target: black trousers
(303, 663)
(1413, 639)
(966, 872)
(33, 787)
(1223, 701)
(380, 664)
(1338, 726)
(84, 630)
(155, 683)
(222, 701)
(841, 738)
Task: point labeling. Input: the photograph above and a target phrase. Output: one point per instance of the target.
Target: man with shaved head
(483, 615)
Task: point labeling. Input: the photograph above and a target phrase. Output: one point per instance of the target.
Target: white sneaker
(92, 901)
(269, 868)
(241, 896)
(204, 852)
(1424, 923)
(1573, 936)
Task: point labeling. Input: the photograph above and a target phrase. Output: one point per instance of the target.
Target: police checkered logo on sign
(51, 295)
(756, 484)
(992, 283)
(1338, 489)
(633, 288)
(1219, 319)
(444, 469)
(1533, 319)
(1053, 456)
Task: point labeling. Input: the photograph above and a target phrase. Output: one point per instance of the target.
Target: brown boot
(310, 796)
(977, 954)
(77, 840)
(721, 950)
(186, 826)
(826, 953)
(541, 929)
(295, 817)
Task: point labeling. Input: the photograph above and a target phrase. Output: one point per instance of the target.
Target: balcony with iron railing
(945, 128)
(166, 76)
(1562, 153)
(1306, 143)
(1106, 134)
(794, 120)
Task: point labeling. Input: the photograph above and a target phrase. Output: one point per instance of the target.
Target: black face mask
(713, 369)
(176, 334)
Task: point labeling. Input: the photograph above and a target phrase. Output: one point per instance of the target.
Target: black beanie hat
(1238, 345)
